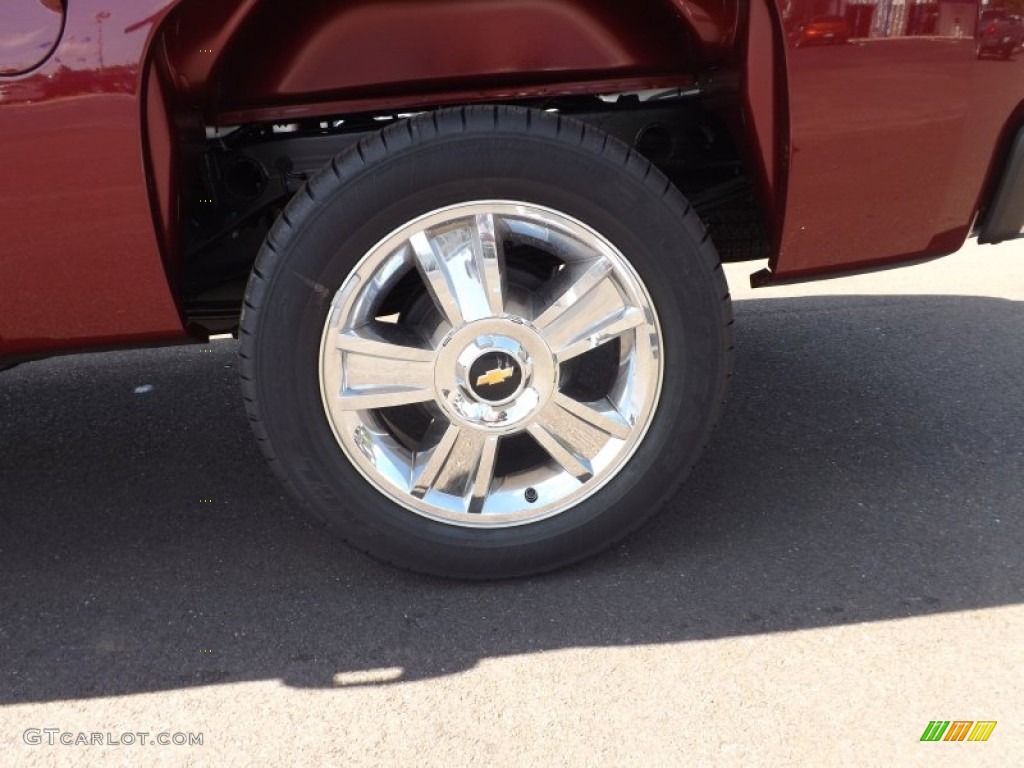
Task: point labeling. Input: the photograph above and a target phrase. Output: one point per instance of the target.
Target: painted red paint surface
(80, 264)
(874, 150)
(412, 51)
(891, 135)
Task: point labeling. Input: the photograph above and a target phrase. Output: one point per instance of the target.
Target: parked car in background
(999, 33)
(472, 250)
(824, 30)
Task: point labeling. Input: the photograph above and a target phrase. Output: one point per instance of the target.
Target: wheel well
(243, 61)
(249, 173)
(246, 102)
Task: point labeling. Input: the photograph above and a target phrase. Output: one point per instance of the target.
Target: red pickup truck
(472, 248)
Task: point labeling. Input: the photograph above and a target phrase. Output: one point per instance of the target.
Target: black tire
(449, 157)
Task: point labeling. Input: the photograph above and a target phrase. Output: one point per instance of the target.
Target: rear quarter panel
(892, 137)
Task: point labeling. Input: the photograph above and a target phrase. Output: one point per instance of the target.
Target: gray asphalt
(870, 468)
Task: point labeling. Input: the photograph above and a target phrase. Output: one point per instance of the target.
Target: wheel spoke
(433, 462)
(589, 312)
(491, 256)
(602, 415)
(461, 464)
(484, 475)
(382, 370)
(563, 452)
(463, 268)
(609, 327)
(571, 288)
(573, 432)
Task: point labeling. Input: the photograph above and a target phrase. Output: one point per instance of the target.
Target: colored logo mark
(958, 730)
(497, 376)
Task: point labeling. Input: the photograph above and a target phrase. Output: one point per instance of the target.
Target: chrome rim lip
(376, 457)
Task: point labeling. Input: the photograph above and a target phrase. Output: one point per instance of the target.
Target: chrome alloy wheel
(491, 364)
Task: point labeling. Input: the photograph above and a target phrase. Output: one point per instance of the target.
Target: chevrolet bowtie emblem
(497, 376)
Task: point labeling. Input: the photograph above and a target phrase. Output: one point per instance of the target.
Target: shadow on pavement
(870, 466)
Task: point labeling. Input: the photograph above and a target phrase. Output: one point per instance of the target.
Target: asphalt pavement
(844, 566)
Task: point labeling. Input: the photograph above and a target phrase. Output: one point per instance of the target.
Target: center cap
(495, 376)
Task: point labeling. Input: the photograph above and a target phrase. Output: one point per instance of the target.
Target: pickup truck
(471, 249)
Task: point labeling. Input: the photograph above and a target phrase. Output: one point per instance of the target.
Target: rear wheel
(485, 343)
